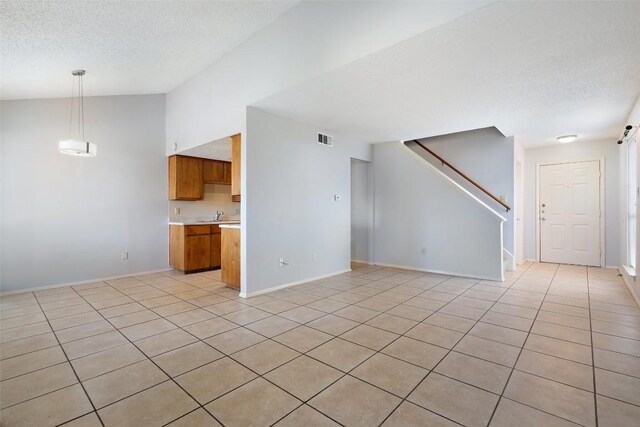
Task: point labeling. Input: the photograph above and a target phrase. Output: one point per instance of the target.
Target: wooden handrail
(456, 170)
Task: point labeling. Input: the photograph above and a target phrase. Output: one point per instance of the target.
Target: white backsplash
(217, 197)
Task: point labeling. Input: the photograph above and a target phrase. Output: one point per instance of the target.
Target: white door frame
(603, 205)
(518, 213)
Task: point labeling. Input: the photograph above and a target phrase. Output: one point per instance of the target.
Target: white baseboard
(626, 278)
(244, 294)
(448, 273)
(362, 262)
(82, 282)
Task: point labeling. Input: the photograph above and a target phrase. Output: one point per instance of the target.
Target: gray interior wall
(68, 219)
(416, 207)
(487, 157)
(288, 201)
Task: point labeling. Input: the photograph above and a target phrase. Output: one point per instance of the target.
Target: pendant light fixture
(77, 146)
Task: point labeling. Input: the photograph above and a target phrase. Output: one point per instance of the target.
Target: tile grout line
(324, 314)
(448, 352)
(170, 378)
(522, 349)
(360, 323)
(344, 374)
(227, 392)
(70, 365)
(593, 358)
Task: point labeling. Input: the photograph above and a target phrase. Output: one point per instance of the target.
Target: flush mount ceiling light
(76, 145)
(564, 139)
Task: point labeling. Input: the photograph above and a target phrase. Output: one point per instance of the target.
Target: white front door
(569, 212)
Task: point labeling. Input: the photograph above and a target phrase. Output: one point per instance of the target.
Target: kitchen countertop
(231, 221)
(235, 226)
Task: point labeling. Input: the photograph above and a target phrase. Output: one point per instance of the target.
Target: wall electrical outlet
(176, 211)
(423, 251)
(125, 256)
(282, 262)
(314, 257)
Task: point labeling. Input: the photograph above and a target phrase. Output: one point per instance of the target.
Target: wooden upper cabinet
(235, 168)
(227, 172)
(186, 178)
(214, 172)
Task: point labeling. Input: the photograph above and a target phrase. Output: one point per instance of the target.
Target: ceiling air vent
(325, 140)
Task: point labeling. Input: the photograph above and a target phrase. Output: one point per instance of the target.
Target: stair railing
(456, 170)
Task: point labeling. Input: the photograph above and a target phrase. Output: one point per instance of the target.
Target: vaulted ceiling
(127, 47)
(535, 70)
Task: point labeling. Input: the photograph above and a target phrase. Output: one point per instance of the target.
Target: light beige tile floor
(551, 346)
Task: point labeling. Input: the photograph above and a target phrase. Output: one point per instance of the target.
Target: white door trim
(603, 206)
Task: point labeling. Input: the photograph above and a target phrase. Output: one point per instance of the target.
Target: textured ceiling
(216, 150)
(535, 70)
(127, 47)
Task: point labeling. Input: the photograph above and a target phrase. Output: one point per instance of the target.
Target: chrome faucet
(218, 215)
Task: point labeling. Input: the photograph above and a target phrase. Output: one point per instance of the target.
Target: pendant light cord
(79, 75)
(73, 86)
(82, 106)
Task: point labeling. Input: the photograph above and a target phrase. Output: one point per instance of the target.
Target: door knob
(543, 219)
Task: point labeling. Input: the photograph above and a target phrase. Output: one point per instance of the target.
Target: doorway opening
(518, 213)
(361, 212)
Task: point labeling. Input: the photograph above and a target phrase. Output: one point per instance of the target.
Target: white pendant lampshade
(77, 147)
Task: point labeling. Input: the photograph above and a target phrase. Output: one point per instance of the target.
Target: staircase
(426, 220)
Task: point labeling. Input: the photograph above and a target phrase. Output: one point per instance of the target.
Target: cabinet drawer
(192, 230)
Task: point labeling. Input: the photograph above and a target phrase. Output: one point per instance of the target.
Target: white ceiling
(216, 150)
(127, 47)
(535, 70)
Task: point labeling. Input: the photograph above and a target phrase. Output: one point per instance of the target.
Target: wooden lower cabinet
(216, 249)
(231, 257)
(194, 248)
(197, 252)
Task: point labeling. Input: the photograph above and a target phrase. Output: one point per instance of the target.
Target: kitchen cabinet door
(214, 172)
(216, 250)
(227, 173)
(197, 252)
(186, 178)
